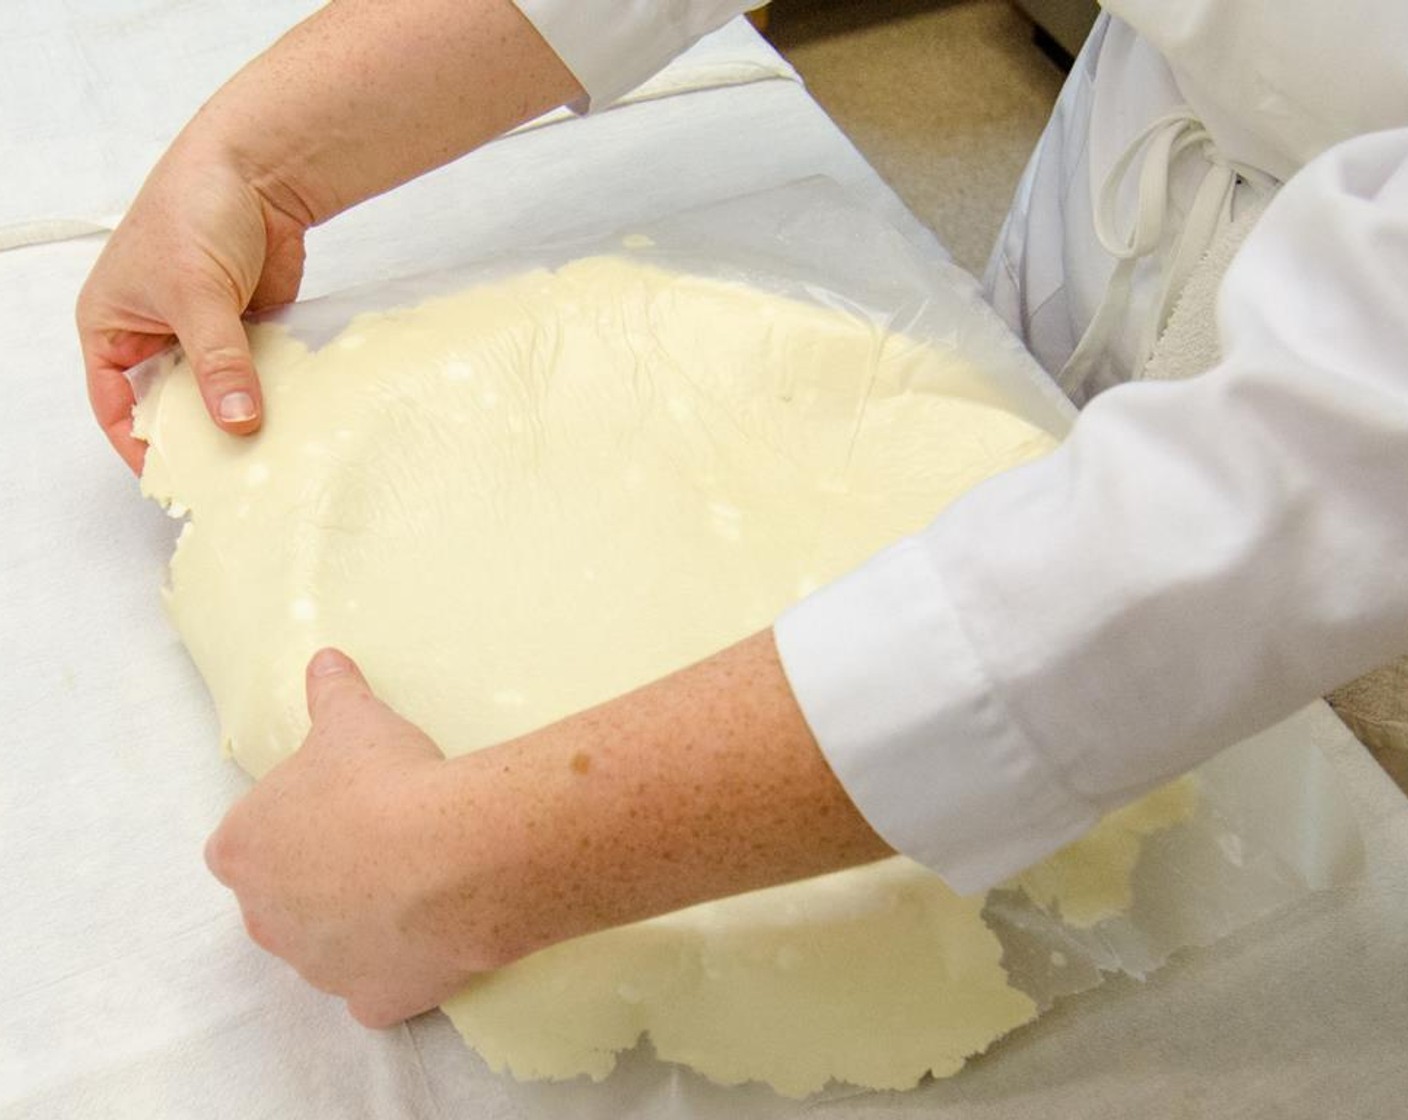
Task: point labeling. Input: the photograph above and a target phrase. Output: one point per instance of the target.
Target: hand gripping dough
(525, 498)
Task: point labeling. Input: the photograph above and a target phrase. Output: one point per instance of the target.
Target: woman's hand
(361, 96)
(334, 857)
(199, 247)
(389, 876)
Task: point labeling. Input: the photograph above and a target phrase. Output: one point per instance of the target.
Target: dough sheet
(521, 499)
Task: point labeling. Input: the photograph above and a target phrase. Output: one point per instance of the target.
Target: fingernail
(236, 407)
(327, 662)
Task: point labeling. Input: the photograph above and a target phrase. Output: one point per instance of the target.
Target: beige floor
(945, 98)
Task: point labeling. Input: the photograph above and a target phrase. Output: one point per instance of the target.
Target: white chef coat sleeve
(612, 46)
(1198, 560)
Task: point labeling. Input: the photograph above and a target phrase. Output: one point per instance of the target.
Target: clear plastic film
(1267, 825)
(806, 241)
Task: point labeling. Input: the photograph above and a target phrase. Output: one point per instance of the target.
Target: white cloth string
(1158, 148)
(21, 234)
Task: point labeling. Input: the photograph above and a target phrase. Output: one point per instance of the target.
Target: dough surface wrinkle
(518, 500)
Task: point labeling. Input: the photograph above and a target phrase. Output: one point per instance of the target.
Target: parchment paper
(1271, 827)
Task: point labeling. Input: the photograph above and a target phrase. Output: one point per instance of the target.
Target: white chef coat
(612, 46)
(1199, 558)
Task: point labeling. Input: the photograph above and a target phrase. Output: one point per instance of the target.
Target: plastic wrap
(806, 241)
(1269, 827)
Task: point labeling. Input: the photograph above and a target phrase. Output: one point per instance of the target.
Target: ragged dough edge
(169, 417)
(1092, 880)
(571, 1009)
(712, 973)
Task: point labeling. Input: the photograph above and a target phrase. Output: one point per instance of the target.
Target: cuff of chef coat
(612, 46)
(912, 725)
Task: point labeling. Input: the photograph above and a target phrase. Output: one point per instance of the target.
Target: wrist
(281, 169)
(363, 96)
(480, 856)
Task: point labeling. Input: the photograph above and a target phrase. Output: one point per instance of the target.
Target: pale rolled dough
(1092, 879)
(517, 501)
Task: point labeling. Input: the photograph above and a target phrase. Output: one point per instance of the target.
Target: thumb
(336, 687)
(333, 678)
(213, 338)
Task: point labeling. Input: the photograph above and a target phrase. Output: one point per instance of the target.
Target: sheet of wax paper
(1269, 826)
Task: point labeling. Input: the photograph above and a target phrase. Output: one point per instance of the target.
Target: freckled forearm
(367, 94)
(704, 784)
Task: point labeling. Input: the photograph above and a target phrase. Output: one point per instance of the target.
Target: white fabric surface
(87, 121)
(93, 91)
(127, 987)
(612, 46)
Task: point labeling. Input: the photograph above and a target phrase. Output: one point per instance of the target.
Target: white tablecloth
(127, 987)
